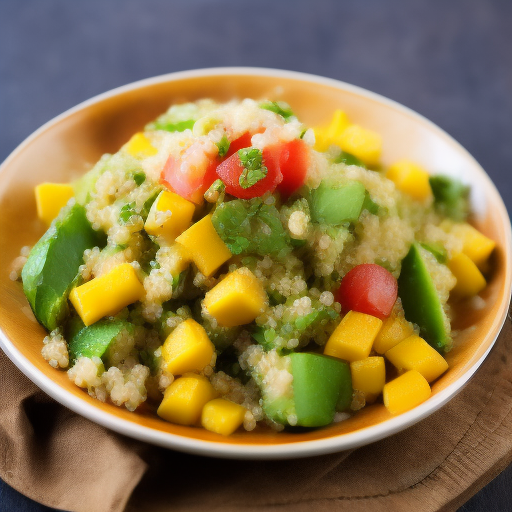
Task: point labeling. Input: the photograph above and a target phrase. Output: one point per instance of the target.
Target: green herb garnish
(251, 226)
(254, 170)
(279, 107)
(223, 146)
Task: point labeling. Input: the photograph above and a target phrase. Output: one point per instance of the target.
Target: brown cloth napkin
(62, 460)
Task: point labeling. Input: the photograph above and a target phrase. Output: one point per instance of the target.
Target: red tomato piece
(294, 162)
(229, 172)
(368, 288)
(188, 182)
(244, 141)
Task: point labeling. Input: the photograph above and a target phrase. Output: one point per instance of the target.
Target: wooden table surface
(450, 61)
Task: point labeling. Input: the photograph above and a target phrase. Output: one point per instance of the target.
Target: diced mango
(139, 146)
(237, 300)
(326, 136)
(108, 294)
(475, 245)
(405, 392)
(369, 376)
(411, 179)
(394, 330)
(187, 348)
(50, 198)
(169, 216)
(363, 144)
(414, 353)
(222, 416)
(352, 340)
(177, 259)
(470, 280)
(204, 246)
(185, 398)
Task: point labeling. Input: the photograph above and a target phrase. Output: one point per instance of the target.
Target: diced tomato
(244, 141)
(230, 170)
(189, 182)
(294, 162)
(368, 288)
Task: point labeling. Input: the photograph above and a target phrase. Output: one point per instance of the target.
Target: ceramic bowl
(69, 144)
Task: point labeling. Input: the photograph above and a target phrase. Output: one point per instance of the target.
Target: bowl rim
(330, 444)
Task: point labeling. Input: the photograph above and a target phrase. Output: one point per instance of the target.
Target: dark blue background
(450, 61)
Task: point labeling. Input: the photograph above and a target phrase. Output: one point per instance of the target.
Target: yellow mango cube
(204, 246)
(222, 416)
(108, 294)
(50, 198)
(352, 340)
(369, 376)
(475, 245)
(237, 300)
(393, 331)
(169, 216)
(414, 353)
(177, 259)
(411, 179)
(139, 146)
(185, 398)
(187, 348)
(329, 135)
(470, 280)
(405, 392)
(363, 144)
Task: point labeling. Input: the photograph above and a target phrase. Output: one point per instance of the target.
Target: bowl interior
(69, 145)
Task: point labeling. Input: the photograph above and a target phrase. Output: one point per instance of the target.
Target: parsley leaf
(278, 107)
(254, 170)
(250, 226)
(223, 146)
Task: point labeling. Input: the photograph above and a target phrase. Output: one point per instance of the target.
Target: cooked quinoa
(283, 245)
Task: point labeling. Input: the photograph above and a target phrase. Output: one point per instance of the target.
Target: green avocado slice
(318, 384)
(335, 205)
(421, 302)
(322, 385)
(52, 266)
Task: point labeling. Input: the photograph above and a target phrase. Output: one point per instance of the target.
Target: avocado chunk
(336, 204)
(451, 197)
(421, 302)
(318, 384)
(96, 339)
(321, 386)
(52, 266)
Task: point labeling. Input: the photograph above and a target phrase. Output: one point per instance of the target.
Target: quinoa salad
(232, 268)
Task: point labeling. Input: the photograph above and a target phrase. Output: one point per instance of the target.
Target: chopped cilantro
(254, 170)
(279, 107)
(250, 226)
(223, 146)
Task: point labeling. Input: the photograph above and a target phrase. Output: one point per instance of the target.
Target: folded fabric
(65, 461)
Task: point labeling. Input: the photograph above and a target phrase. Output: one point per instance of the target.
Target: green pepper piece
(95, 340)
(421, 302)
(52, 266)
